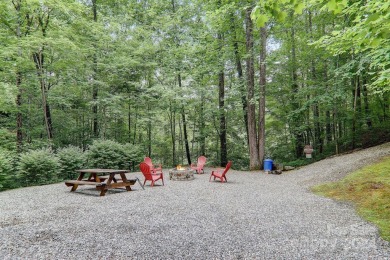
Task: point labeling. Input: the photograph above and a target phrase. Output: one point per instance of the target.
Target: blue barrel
(268, 165)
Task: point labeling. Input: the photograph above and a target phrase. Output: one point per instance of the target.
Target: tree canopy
(236, 80)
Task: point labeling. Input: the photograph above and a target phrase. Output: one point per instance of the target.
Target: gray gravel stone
(252, 216)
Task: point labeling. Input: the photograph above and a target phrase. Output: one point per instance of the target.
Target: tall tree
(262, 83)
(222, 117)
(297, 118)
(316, 110)
(366, 34)
(38, 56)
(185, 133)
(19, 117)
(95, 88)
(240, 74)
(179, 63)
(124, 70)
(254, 162)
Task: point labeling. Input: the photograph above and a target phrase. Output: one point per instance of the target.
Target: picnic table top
(102, 171)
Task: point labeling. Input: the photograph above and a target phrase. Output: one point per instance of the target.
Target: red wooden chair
(149, 175)
(221, 173)
(199, 166)
(153, 168)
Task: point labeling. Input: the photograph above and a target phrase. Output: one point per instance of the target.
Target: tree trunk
(129, 120)
(328, 126)
(38, 58)
(298, 136)
(240, 77)
(366, 105)
(180, 159)
(149, 132)
(316, 111)
(221, 104)
(386, 106)
(188, 155)
(254, 163)
(172, 121)
(95, 88)
(183, 116)
(202, 127)
(135, 125)
(262, 83)
(28, 20)
(19, 117)
(356, 110)
(222, 118)
(336, 133)
(336, 120)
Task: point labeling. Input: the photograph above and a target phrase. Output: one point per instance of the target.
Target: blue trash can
(268, 165)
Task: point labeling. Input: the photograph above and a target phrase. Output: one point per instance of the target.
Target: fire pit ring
(184, 174)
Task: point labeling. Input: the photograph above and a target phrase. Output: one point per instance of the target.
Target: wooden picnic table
(102, 183)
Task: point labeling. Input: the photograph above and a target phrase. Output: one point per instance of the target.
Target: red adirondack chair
(149, 175)
(221, 173)
(199, 166)
(153, 168)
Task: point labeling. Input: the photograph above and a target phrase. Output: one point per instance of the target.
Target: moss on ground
(369, 189)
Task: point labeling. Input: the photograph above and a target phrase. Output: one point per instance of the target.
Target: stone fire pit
(184, 174)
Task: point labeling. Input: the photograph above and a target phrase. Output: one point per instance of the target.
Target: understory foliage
(44, 166)
(71, 158)
(7, 172)
(112, 155)
(38, 167)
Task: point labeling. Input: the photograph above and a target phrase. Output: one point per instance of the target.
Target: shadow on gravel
(95, 193)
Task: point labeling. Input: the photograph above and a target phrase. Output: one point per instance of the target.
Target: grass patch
(369, 189)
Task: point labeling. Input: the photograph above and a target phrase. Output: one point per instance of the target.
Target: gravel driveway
(253, 216)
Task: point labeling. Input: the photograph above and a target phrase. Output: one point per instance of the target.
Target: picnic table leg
(93, 177)
(104, 188)
(81, 176)
(124, 179)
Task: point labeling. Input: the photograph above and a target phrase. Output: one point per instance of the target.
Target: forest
(238, 80)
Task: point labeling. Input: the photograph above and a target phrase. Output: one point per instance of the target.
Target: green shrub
(7, 139)
(71, 158)
(7, 173)
(299, 162)
(282, 152)
(133, 154)
(110, 154)
(238, 156)
(38, 167)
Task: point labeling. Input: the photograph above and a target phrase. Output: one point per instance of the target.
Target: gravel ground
(253, 216)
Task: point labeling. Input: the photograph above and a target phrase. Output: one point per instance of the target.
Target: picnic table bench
(102, 183)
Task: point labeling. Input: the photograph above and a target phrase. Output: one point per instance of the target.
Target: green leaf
(332, 5)
(375, 42)
(373, 17)
(282, 16)
(335, 33)
(255, 13)
(337, 6)
(298, 9)
(261, 20)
